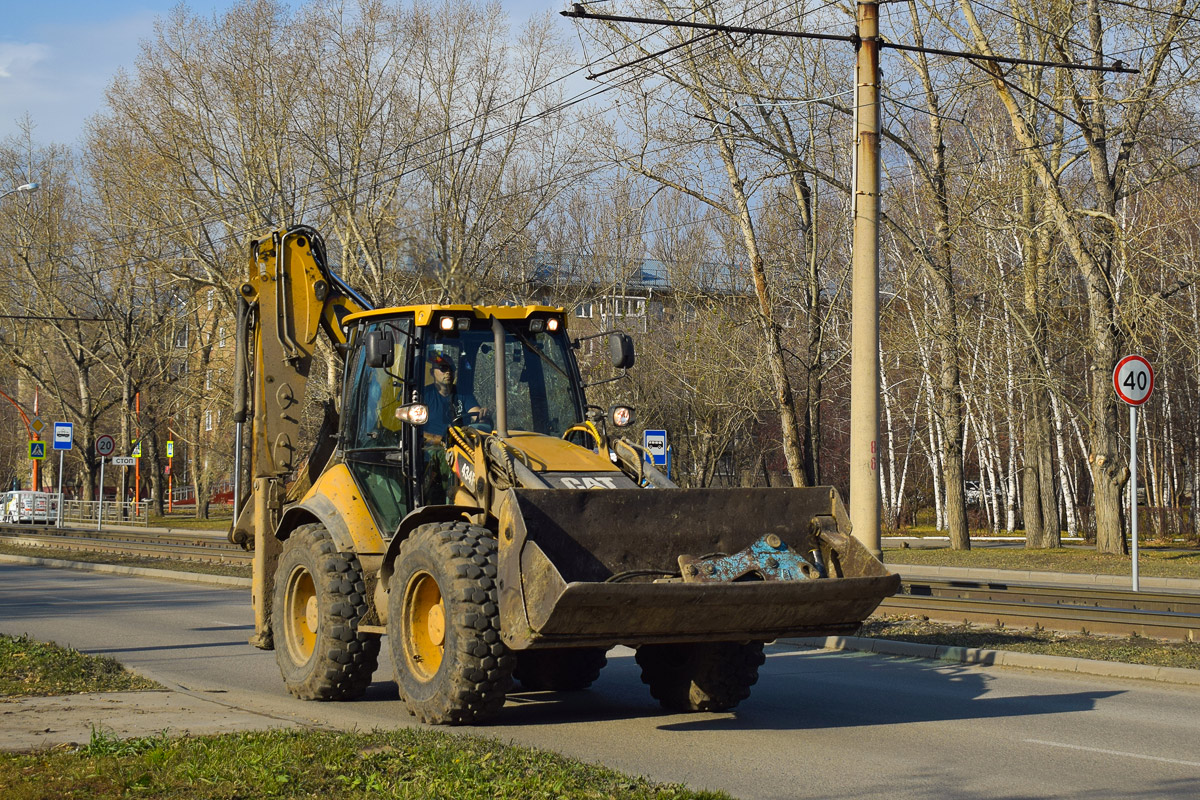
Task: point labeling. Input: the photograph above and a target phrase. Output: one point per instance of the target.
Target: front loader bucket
(640, 566)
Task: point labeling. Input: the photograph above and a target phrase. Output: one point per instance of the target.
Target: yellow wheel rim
(301, 615)
(424, 629)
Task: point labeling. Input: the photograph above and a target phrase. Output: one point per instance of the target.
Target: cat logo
(588, 483)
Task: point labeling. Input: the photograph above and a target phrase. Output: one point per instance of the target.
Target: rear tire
(444, 625)
(320, 596)
(564, 669)
(705, 676)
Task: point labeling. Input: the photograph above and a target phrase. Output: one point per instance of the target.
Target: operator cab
(415, 372)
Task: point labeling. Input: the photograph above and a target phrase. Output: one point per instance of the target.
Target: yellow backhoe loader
(465, 500)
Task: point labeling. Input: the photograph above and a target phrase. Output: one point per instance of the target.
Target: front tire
(444, 625)
(564, 669)
(320, 596)
(705, 676)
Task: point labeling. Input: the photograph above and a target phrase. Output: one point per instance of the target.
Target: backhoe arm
(289, 298)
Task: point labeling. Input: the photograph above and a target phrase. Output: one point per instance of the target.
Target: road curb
(1002, 658)
(119, 569)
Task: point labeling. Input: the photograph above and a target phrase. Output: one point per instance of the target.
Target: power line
(430, 158)
(55, 319)
(579, 12)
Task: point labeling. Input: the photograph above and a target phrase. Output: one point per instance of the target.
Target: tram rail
(1110, 611)
(189, 546)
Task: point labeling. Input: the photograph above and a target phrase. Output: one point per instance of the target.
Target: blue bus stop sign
(64, 435)
(655, 443)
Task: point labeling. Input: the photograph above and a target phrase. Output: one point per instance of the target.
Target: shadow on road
(815, 690)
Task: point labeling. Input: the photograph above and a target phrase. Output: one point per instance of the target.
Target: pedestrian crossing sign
(37, 449)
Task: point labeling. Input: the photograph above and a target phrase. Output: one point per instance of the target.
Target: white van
(40, 507)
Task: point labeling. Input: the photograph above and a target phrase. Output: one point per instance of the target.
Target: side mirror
(380, 349)
(620, 349)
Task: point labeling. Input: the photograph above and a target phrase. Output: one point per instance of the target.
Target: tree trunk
(1109, 470)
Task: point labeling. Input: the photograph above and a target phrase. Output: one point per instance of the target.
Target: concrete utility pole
(864, 352)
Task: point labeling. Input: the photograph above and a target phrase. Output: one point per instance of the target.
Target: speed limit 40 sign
(1134, 380)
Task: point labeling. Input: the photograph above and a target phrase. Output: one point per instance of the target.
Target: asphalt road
(818, 725)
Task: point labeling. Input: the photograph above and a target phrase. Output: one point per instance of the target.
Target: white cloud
(17, 59)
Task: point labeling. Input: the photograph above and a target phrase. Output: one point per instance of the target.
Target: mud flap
(595, 567)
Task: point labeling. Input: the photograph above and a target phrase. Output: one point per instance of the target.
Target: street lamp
(26, 187)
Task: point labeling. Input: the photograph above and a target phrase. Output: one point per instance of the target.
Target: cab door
(377, 446)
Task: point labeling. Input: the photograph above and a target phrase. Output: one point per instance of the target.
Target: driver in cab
(446, 407)
(445, 403)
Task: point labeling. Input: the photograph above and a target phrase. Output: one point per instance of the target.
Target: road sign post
(100, 502)
(64, 439)
(1133, 379)
(104, 448)
(170, 477)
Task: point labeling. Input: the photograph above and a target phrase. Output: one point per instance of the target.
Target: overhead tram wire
(579, 12)
(408, 145)
(56, 319)
(433, 158)
(582, 97)
(695, 40)
(1148, 10)
(1036, 27)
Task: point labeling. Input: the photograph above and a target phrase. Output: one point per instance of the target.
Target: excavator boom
(290, 298)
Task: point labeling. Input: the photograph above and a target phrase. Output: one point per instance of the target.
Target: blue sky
(57, 56)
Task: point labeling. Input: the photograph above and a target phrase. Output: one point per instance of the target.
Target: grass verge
(187, 522)
(1128, 650)
(1152, 562)
(407, 763)
(30, 668)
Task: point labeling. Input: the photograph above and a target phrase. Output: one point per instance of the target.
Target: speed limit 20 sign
(105, 445)
(1134, 380)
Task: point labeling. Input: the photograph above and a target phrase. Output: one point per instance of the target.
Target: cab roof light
(552, 324)
(446, 323)
(464, 323)
(537, 325)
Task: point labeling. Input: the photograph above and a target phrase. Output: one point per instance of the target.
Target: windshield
(542, 397)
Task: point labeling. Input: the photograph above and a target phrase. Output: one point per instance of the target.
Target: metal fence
(186, 495)
(84, 512)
